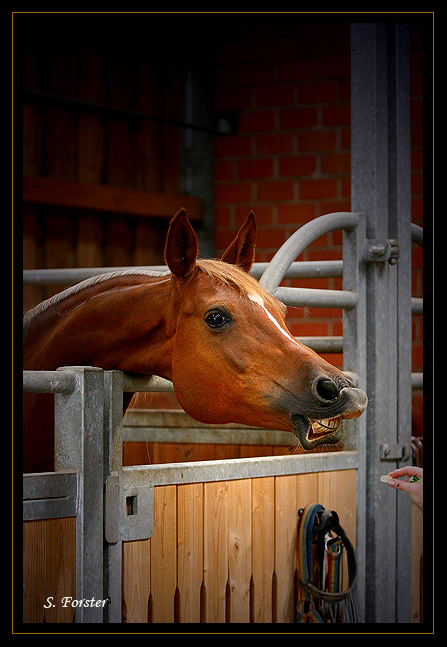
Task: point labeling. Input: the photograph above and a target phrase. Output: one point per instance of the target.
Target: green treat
(413, 479)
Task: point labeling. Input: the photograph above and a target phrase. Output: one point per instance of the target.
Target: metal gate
(114, 505)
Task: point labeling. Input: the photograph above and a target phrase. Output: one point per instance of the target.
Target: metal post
(79, 446)
(113, 444)
(354, 360)
(380, 188)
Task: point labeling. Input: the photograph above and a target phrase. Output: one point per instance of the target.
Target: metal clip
(394, 452)
(382, 250)
(394, 254)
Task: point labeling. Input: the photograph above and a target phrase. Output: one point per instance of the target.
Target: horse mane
(234, 275)
(229, 274)
(82, 285)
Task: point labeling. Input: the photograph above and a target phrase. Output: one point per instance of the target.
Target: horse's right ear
(181, 246)
(241, 252)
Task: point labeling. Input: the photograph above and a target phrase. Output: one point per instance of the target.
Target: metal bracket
(137, 513)
(395, 452)
(129, 511)
(382, 250)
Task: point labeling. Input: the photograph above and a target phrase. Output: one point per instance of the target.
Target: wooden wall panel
(86, 145)
(48, 569)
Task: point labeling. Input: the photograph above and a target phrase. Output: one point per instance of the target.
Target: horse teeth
(322, 426)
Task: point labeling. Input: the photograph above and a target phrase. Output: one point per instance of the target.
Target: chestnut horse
(208, 326)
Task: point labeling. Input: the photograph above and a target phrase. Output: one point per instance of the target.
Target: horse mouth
(312, 433)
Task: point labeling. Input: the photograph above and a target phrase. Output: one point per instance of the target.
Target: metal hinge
(382, 250)
(395, 452)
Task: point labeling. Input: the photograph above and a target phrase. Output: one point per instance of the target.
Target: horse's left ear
(241, 252)
(181, 246)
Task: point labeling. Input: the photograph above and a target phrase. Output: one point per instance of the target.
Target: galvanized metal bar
(79, 447)
(68, 276)
(329, 344)
(50, 495)
(113, 451)
(238, 468)
(417, 381)
(146, 383)
(304, 269)
(293, 247)
(400, 227)
(315, 298)
(49, 381)
(380, 188)
(417, 306)
(417, 234)
(197, 435)
(354, 362)
(56, 508)
(369, 191)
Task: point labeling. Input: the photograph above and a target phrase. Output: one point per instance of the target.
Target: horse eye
(216, 319)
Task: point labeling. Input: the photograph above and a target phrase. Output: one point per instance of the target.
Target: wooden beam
(77, 195)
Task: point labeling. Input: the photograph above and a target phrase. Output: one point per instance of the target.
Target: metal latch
(129, 511)
(395, 452)
(382, 250)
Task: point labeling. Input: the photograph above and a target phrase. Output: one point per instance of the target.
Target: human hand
(414, 490)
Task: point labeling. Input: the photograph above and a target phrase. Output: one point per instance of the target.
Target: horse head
(233, 358)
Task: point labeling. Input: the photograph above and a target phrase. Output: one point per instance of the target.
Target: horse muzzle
(320, 424)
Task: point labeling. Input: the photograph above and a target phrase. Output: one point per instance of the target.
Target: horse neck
(120, 328)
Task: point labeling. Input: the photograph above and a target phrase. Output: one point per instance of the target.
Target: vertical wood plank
(239, 550)
(136, 580)
(263, 553)
(337, 491)
(61, 159)
(306, 489)
(286, 516)
(215, 563)
(148, 134)
(190, 551)
(164, 554)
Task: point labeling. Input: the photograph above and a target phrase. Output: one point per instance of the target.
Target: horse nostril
(325, 389)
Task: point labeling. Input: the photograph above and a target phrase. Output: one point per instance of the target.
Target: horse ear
(241, 252)
(181, 246)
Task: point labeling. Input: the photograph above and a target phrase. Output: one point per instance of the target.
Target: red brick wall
(290, 158)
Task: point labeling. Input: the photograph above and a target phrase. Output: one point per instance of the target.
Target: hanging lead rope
(319, 557)
(307, 611)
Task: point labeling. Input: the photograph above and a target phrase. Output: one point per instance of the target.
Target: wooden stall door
(226, 552)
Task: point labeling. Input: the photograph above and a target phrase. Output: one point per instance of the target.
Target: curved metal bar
(417, 234)
(293, 247)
